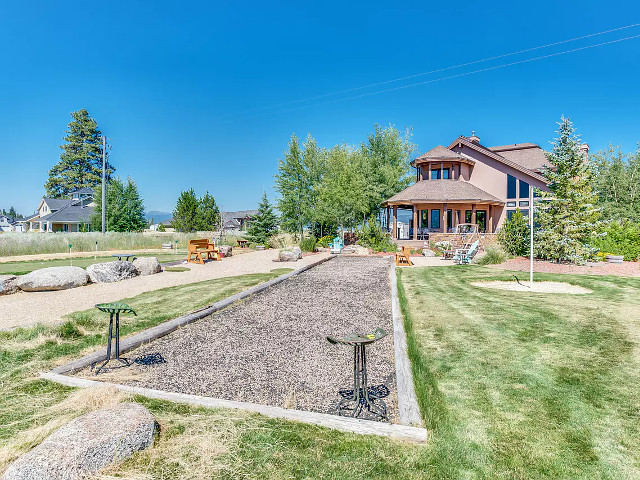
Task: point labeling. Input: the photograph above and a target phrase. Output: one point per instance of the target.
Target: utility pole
(531, 236)
(104, 184)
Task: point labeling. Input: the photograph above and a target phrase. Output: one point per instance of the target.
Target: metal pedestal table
(113, 309)
(362, 397)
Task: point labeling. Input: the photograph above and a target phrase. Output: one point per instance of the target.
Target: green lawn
(20, 268)
(517, 385)
(511, 386)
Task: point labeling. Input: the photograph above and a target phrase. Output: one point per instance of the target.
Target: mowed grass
(21, 268)
(521, 385)
(194, 443)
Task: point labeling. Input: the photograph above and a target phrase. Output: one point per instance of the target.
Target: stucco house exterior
(466, 182)
(64, 214)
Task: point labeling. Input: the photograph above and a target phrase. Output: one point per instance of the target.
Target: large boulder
(226, 250)
(111, 271)
(87, 444)
(288, 256)
(147, 265)
(8, 284)
(355, 250)
(428, 253)
(52, 278)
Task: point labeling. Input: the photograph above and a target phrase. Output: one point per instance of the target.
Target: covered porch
(416, 220)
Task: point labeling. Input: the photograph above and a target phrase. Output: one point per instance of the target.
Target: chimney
(584, 149)
(473, 138)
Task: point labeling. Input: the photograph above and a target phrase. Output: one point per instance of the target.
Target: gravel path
(24, 309)
(272, 348)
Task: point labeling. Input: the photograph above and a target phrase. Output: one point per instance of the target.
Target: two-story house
(466, 182)
(64, 214)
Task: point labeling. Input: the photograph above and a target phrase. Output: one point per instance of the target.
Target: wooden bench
(200, 246)
(402, 258)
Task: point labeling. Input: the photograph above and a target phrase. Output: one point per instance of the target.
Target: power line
(474, 62)
(447, 77)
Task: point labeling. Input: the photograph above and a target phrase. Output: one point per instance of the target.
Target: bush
(308, 244)
(282, 240)
(325, 241)
(443, 245)
(618, 238)
(492, 256)
(514, 235)
(372, 236)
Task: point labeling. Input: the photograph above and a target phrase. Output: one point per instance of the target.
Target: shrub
(514, 235)
(443, 245)
(308, 244)
(492, 255)
(618, 238)
(372, 236)
(282, 240)
(325, 241)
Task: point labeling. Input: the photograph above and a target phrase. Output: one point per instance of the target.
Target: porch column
(444, 218)
(429, 178)
(415, 222)
(394, 232)
(473, 213)
(420, 172)
(388, 217)
(490, 221)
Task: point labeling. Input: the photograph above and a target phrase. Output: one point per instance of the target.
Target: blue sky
(168, 82)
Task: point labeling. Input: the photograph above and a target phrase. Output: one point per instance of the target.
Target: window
(524, 189)
(435, 174)
(511, 204)
(446, 173)
(481, 220)
(449, 219)
(510, 214)
(511, 186)
(467, 216)
(65, 227)
(435, 218)
(525, 213)
(523, 203)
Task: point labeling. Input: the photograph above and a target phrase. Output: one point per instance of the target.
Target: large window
(481, 220)
(449, 219)
(467, 216)
(524, 189)
(511, 186)
(446, 173)
(435, 218)
(435, 174)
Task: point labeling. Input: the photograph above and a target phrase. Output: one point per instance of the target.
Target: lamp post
(70, 259)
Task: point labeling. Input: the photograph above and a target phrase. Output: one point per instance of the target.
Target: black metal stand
(113, 309)
(362, 397)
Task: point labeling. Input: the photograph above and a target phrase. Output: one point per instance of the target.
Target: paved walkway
(24, 309)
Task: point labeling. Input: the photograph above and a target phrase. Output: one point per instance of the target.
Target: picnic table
(126, 256)
(242, 243)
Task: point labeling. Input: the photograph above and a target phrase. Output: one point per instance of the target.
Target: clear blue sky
(164, 80)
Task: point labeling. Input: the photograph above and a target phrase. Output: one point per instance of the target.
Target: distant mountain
(158, 216)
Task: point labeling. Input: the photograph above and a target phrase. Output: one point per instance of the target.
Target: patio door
(481, 220)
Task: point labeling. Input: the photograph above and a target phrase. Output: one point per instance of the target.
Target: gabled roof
(226, 216)
(82, 190)
(529, 155)
(56, 203)
(70, 213)
(440, 153)
(440, 191)
(462, 140)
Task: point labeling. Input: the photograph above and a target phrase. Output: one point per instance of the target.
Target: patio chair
(337, 245)
(465, 255)
(402, 258)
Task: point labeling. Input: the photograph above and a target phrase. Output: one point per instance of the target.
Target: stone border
(408, 409)
(344, 424)
(150, 334)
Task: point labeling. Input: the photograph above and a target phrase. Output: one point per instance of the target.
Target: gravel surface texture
(24, 309)
(272, 348)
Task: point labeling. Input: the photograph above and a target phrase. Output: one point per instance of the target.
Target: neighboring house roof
(441, 191)
(239, 214)
(56, 203)
(462, 140)
(529, 155)
(168, 222)
(83, 190)
(71, 213)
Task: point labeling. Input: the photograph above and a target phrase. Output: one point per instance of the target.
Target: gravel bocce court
(272, 348)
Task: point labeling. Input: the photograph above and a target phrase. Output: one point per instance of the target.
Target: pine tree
(208, 214)
(264, 224)
(131, 210)
(185, 216)
(115, 190)
(80, 162)
(567, 215)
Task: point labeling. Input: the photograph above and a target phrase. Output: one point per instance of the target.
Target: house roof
(462, 140)
(71, 213)
(82, 190)
(529, 155)
(440, 191)
(56, 203)
(440, 153)
(226, 216)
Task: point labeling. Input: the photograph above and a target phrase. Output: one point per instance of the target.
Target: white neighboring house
(64, 214)
(6, 223)
(238, 221)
